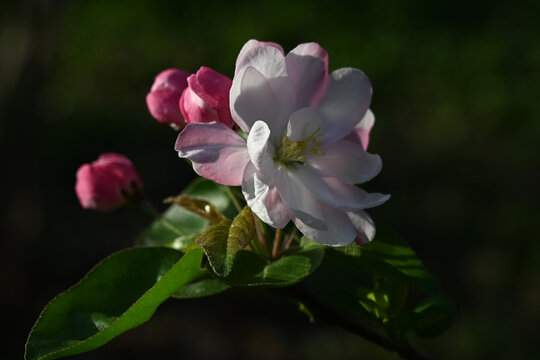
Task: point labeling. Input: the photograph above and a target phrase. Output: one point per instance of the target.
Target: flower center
(292, 152)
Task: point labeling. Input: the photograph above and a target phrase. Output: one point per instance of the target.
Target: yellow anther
(294, 151)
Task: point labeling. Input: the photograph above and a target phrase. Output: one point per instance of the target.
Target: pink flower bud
(162, 100)
(206, 98)
(108, 183)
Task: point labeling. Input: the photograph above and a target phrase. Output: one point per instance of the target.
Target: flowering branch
(294, 137)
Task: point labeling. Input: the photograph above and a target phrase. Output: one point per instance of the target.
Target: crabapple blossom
(307, 131)
(107, 183)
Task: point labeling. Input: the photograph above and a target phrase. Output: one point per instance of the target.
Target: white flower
(305, 150)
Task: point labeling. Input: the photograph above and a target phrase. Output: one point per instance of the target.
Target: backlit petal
(307, 65)
(217, 152)
(339, 232)
(345, 103)
(347, 161)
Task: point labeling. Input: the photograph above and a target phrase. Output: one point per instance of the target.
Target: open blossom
(206, 98)
(307, 132)
(162, 100)
(107, 183)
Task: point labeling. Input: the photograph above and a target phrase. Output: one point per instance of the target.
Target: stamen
(292, 152)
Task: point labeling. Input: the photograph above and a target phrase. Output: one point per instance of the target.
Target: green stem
(234, 199)
(149, 209)
(326, 314)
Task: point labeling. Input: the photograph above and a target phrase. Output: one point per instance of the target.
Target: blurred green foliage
(458, 122)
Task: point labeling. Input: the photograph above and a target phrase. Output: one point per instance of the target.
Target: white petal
(260, 150)
(336, 193)
(217, 152)
(251, 99)
(263, 198)
(267, 59)
(303, 124)
(356, 197)
(301, 202)
(347, 161)
(340, 231)
(364, 225)
(346, 101)
(307, 65)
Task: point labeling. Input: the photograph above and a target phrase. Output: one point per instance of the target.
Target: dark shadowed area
(456, 86)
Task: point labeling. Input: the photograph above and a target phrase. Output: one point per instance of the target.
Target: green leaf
(120, 293)
(434, 316)
(389, 256)
(176, 222)
(222, 241)
(388, 247)
(382, 282)
(207, 285)
(252, 270)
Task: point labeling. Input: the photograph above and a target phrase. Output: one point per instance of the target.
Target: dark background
(456, 87)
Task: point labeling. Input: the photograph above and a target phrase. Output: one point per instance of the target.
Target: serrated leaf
(391, 257)
(252, 270)
(381, 282)
(120, 293)
(389, 248)
(222, 241)
(177, 222)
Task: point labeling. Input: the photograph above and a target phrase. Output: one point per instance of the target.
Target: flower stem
(261, 246)
(149, 209)
(277, 243)
(234, 199)
(289, 240)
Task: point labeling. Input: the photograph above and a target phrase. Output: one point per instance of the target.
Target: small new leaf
(198, 206)
(222, 241)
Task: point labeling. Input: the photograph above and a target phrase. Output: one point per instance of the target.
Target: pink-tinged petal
(260, 149)
(365, 227)
(340, 231)
(360, 133)
(252, 99)
(300, 201)
(217, 152)
(163, 106)
(347, 161)
(336, 193)
(307, 65)
(263, 198)
(211, 86)
(171, 79)
(304, 123)
(195, 110)
(345, 103)
(266, 57)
